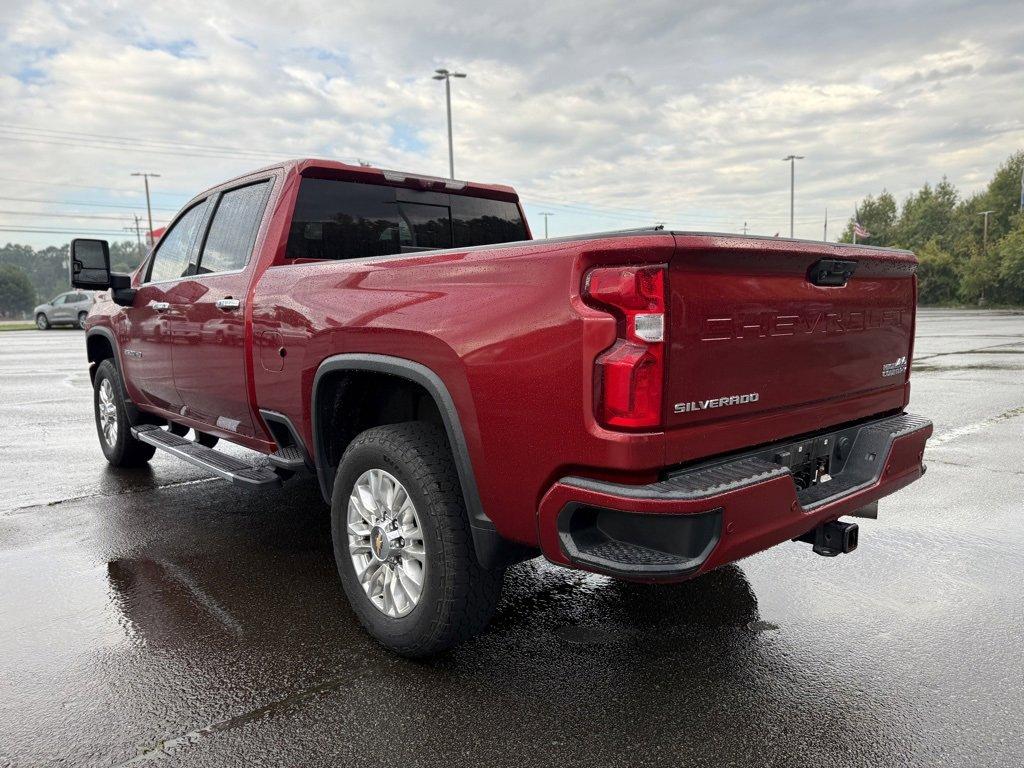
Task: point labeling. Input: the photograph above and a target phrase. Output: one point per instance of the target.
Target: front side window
(233, 229)
(59, 300)
(173, 255)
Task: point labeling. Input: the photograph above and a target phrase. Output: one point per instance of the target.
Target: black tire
(124, 450)
(81, 319)
(458, 597)
(206, 440)
(42, 322)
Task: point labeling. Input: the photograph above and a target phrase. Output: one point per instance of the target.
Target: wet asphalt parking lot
(156, 617)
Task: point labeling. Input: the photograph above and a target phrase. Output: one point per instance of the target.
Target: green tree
(979, 277)
(17, 296)
(1003, 196)
(1010, 252)
(125, 256)
(878, 216)
(927, 215)
(938, 276)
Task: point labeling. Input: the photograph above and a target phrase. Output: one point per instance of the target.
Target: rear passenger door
(209, 350)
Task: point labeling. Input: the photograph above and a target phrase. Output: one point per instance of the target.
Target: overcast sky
(608, 114)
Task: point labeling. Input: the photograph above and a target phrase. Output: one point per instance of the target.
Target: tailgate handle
(831, 272)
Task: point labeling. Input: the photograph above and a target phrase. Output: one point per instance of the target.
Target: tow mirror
(90, 264)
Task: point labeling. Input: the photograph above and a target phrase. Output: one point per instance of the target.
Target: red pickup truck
(644, 404)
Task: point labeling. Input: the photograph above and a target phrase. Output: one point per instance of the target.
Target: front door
(147, 341)
(210, 353)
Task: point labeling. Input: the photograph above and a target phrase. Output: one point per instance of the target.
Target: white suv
(66, 309)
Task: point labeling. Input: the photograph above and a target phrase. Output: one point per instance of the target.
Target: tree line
(29, 277)
(960, 262)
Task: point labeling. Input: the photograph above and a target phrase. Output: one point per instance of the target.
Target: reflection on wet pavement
(156, 617)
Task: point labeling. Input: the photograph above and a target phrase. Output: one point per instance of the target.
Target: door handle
(161, 306)
(228, 304)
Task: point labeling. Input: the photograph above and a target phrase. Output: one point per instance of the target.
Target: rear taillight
(629, 375)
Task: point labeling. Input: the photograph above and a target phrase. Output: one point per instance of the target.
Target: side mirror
(90, 264)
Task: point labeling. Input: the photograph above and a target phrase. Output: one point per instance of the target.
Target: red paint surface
(504, 327)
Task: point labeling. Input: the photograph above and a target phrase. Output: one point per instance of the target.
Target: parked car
(644, 404)
(68, 308)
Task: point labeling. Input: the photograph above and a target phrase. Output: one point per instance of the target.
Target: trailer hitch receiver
(831, 539)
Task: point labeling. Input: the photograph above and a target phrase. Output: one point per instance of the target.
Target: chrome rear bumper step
(220, 464)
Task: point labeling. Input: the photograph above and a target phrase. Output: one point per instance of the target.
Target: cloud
(657, 110)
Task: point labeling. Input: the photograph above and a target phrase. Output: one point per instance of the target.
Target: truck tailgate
(751, 333)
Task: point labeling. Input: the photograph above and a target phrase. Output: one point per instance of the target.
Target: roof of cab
(321, 168)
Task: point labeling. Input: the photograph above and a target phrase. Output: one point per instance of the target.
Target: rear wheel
(112, 426)
(402, 542)
(41, 322)
(81, 319)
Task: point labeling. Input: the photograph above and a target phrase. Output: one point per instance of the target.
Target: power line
(82, 202)
(126, 148)
(151, 146)
(48, 215)
(61, 231)
(56, 133)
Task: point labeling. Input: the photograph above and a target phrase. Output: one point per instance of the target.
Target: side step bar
(220, 464)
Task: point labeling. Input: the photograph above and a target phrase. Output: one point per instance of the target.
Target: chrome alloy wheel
(108, 412)
(385, 542)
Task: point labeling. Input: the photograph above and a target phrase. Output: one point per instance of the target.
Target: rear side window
(479, 221)
(345, 220)
(348, 220)
(171, 259)
(233, 230)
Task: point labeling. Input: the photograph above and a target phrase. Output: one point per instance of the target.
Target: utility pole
(745, 227)
(444, 74)
(546, 215)
(149, 209)
(984, 237)
(138, 235)
(791, 159)
(1022, 188)
(824, 235)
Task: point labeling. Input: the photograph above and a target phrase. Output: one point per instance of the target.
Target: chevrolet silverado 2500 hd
(644, 404)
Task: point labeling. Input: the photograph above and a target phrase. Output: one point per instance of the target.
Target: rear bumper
(720, 511)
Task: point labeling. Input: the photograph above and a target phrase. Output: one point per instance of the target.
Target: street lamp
(791, 159)
(149, 210)
(444, 74)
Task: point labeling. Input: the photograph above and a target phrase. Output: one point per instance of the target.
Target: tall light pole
(984, 237)
(444, 74)
(546, 215)
(791, 159)
(745, 228)
(149, 210)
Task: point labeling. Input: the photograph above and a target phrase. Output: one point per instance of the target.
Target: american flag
(859, 231)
